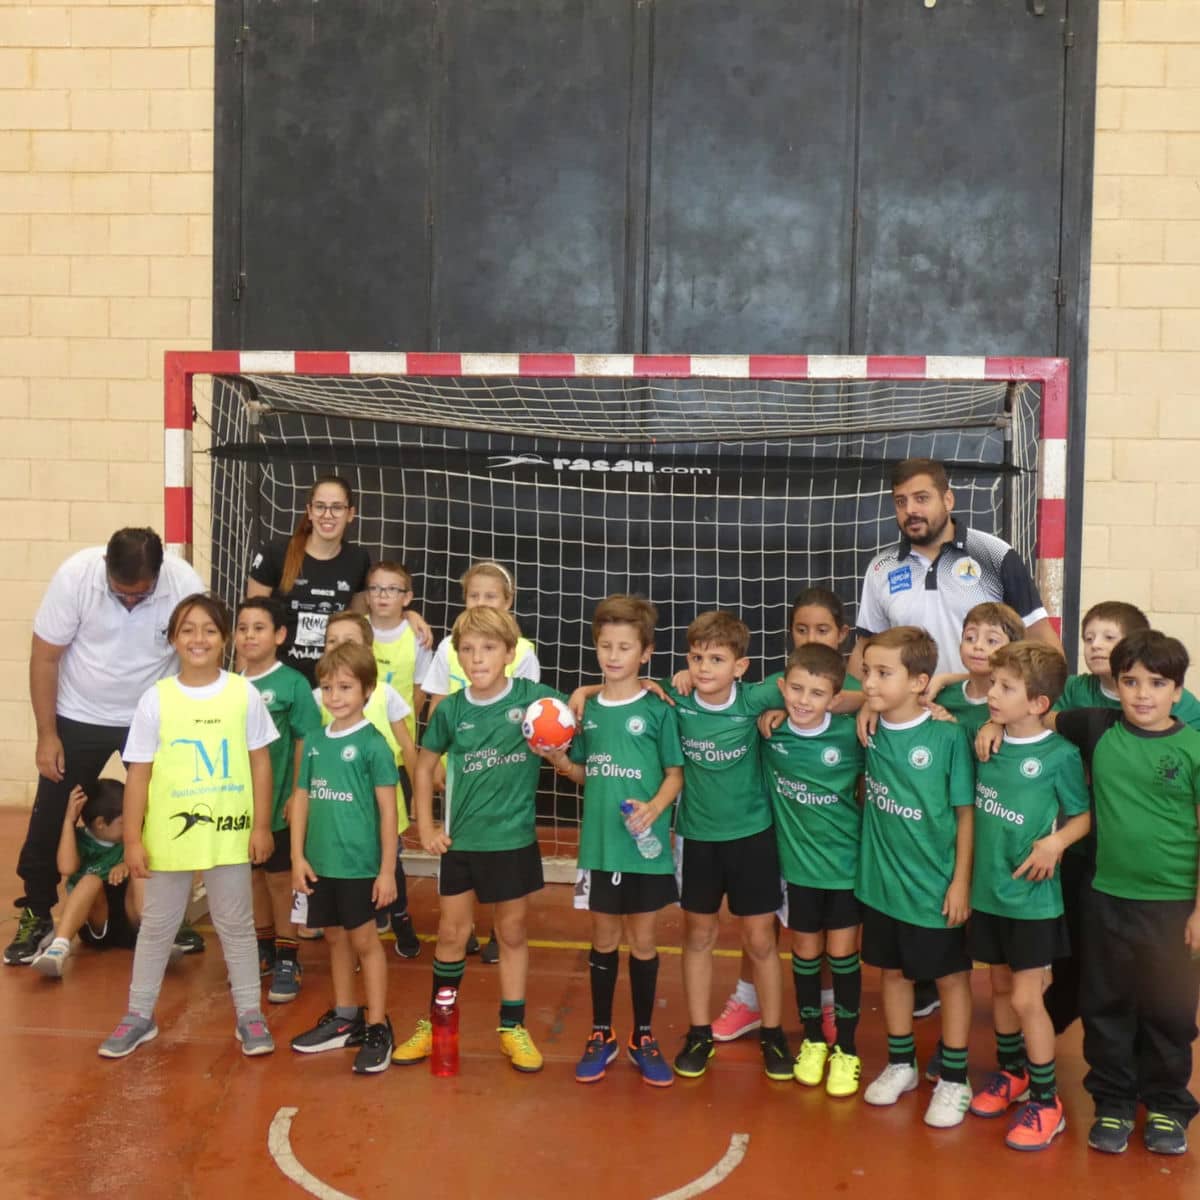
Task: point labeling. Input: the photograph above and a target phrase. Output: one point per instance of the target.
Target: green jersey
(724, 793)
(491, 773)
(971, 714)
(813, 775)
(95, 857)
(1086, 691)
(1019, 794)
(289, 699)
(340, 771)
(917, 774)
(624, 746)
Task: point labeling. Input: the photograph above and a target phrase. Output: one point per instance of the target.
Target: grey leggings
(232, 910)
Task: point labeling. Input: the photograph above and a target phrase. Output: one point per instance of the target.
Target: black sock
(643, 980)
(1043, 1086)
(700, 1032)
(512, 1013)
(902, 1049)
(399, 906)
(265, 934)
(446, 974)
(768, 1034)
(1010, 1052)
(847, 998)
(954, 1063)
(806, 976)
(285, 949)
(602, 970)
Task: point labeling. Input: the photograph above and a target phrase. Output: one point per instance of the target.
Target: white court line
(279, 1142)
(731, 1158)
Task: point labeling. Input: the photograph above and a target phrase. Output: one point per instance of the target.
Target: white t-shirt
(437, 679)
(112, 654)
(398, 709)
(142, 743)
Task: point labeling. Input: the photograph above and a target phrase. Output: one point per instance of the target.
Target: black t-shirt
(324, 586)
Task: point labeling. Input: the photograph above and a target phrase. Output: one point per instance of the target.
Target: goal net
(703, 483)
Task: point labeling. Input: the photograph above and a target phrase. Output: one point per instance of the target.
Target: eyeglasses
(131, 597)
(334, 510)
(386, 589)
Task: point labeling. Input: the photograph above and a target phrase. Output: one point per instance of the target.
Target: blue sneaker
(648, 1059)
(285, 981)
(597, 1054)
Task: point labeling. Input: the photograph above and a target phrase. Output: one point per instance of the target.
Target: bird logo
(201, 814)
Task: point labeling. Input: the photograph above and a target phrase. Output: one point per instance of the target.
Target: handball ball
(548, 725)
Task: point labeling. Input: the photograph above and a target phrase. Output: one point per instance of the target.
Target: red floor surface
(188, 1116)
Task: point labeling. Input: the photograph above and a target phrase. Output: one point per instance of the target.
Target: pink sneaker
(828, 1024)
(736, 1019)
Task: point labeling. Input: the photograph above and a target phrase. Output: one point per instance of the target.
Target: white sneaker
(896, 1079)
(948, 1105)
(51, 960)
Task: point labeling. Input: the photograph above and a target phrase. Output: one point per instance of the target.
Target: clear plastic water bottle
(647, 841)
(443, 1059)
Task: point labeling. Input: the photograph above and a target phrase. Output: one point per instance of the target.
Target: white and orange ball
(548, 724)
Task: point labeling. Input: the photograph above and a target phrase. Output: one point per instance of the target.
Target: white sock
(746, 993)
(62, 943)
(827, 997)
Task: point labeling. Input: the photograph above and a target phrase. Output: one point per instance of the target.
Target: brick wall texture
(105, 261)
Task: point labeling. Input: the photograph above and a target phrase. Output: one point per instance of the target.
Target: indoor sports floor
(188, 1116)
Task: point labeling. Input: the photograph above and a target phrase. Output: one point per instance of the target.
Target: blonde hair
(496, 571)
(486, 622)
(346, 617)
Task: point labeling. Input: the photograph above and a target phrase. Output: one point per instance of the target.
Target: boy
(726, 836)
(1034, 780)
(488, 847)
(103, 905)
(627, 749)
(813, 762)
(261, 630)
(1140, 974)
(986, 628)
(914, 872)
(344, 854)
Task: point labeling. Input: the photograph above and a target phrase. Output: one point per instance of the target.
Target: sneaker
(1036, 1125)
(331, 1032)
(375, 1054)
(829, 1024)
(891, 1084)
(809, 1068)
(1110, 1135)
(777, 1058)
(933, 1068)
(129, 1034)
(266, 961)
(285, 981)
(472, 944)
(31, 931)
(735, 1020)
(597, 1054)
(845, 1070)
(692, 1061)
(948, 1105)
(489, 952)
(251, 1030)
(925, 1000)
(648, 1059)
(1164, 1135)
(188, 940)
(408, 945)
(1000, 1089)
(418, 1047)
(51, 960)
(518, 1045)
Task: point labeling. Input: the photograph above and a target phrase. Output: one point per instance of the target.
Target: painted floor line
(709, 1180)
(279, 1142)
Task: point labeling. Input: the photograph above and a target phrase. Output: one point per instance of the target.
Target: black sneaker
(331, 1032)
(472, 944)
(925, 999)
(692, 1061)
(1164, 1135)
(31, 932)
(489, 952)
(188, 941)
(375, 1055)
(1110, 1135)
(383, 921)
(777, 1058)
(408, 945)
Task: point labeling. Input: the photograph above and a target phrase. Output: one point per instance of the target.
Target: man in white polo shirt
(99, 641)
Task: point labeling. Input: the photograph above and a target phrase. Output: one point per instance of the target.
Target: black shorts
(915, 950)
(281, 856)
(746, 870)
(118, 932)
(1017, 944)
(814, 910)
(620, 893)
(344, 902)
(493, 875)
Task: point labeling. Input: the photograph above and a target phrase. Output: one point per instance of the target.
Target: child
(261, 631)
(343, 855)
(197, 798)
(1033, 781)
(727, 836)
(488, 847)
(1140, 974)
(914, 871)
(627, 748)
(103, 905)
(813, 763)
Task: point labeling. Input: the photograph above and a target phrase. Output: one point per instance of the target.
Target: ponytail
(297, 545)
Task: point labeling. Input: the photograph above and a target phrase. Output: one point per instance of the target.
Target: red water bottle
(444, 1018)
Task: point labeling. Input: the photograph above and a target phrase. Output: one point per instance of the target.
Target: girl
(197, 798)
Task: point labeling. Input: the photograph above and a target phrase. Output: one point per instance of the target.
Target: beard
(933, 530)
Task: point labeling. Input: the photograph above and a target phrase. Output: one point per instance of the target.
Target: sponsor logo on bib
(349, 753)
(515, 715)
(636, 726)
(1031, 768)
(831, 756)
(920, 757)
(967, 570)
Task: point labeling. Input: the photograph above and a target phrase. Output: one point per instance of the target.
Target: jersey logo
(349, 753)
(967, 570)
(920, 757)
(268, 697)
(1168, 769)
(515, 715)
(636, 726)
(831, 756)
(463, 726)
(201, 814)
(1031, 768)
(258, 558)
(900, 580)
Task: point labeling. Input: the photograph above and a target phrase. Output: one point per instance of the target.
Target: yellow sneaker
(844, 1072)
(810, 1063)
(417, 1048)
(519, 1047)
